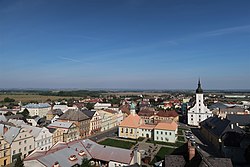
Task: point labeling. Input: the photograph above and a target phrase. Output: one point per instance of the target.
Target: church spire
(199, 89)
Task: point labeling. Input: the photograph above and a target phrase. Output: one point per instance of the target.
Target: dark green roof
(199, 90)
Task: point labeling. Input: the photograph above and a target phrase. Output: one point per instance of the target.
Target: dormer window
(72, 158)
(81, 153)
(56, 164)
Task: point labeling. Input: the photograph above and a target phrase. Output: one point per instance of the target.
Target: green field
(134, 140)
(180, 130)
(176, 144)
(181, 138)
(117, 143)
(25, 98)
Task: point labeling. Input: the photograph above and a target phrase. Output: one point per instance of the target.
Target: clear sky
(163, 44)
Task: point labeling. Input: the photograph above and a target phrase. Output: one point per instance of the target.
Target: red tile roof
(171, 113)
(132, 121)
(146, 112)
(168, 125)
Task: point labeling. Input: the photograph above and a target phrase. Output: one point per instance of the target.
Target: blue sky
(125, 44)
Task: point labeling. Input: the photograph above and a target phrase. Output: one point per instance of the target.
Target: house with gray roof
(42, 137)
(20, 139)
(242, 120)
(70, 154)
(39, 109)
(95, 121)
(81, 120)
(68, 131)
(213, 128)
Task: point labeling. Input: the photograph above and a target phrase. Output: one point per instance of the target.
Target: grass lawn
(180, 131)
(181, 138)
(176, 144)
(117, 143)
(161, 154)
(134, 140)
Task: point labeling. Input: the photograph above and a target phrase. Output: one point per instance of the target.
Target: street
(205, 148)
(109, 133)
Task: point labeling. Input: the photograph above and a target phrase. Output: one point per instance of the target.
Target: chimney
(191, 151)
(5, 129)
(232, 126)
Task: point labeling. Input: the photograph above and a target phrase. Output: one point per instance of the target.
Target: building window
(166, 133)
(191, 115)
(20, 143)
(14, 152)
(156, 132)
(20, 150)
(157, 138)
(24, 148)
(126, 130)
(199, 116)
(121, 130)
(5, 162)
(25, 141)
(170, 133)
(131, 131)
(191, 119)
(30, 146)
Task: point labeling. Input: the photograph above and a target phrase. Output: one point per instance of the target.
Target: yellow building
(65, 131)
(129, 127)
(49, 115)
(4, 152)
(57, 135)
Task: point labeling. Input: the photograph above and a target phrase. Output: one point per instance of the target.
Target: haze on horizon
(129, 44)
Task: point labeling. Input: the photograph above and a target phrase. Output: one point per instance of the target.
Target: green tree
(90, 106)
(25, 113)
(8, 100)
(85, 163)
(19, 162)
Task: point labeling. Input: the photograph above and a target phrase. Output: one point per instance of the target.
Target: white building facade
(199, 112)
(42, 137)
(40, 109)
(101, 106)
(22, 142)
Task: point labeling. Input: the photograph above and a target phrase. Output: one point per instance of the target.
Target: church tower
(199, 112)
(132, 108)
